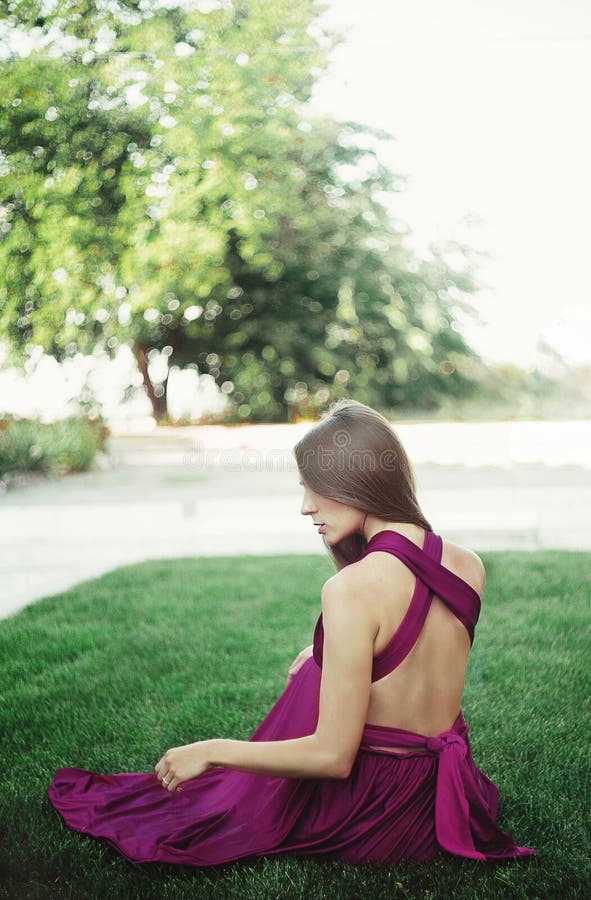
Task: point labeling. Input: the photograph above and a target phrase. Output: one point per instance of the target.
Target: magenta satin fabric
(391, 807)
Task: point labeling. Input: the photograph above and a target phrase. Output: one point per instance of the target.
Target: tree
(172, 192)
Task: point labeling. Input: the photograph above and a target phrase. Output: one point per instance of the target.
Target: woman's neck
(373, 525)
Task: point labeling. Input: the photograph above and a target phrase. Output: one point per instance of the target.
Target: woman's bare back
(423, 694)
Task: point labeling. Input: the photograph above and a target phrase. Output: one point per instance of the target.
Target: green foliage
(111, 673)
(173, 192)
(29, 445)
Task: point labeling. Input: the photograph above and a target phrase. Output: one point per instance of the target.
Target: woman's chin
(333, 538)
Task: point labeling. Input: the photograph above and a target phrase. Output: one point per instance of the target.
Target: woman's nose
(307, 507)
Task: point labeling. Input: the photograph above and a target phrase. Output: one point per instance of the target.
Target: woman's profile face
(335, 520)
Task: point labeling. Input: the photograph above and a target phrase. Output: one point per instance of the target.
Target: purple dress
(391, 807)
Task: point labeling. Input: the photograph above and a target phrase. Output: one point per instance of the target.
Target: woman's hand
(182, 763)
(298, 662)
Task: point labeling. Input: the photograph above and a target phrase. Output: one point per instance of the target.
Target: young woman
(365, 756)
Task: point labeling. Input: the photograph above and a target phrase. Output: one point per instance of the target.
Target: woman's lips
(320, 527)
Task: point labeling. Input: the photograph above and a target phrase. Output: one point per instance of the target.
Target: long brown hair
(354, 456)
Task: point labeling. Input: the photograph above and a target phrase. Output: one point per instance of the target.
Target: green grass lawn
(112, 673)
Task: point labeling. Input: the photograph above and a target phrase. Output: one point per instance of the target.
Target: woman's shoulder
(372, 577)
(464, 562)
(378, 568)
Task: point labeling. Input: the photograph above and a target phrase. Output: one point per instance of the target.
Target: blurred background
(218, 217)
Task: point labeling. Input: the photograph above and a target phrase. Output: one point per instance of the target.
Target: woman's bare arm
(299, 661)
(349, 634)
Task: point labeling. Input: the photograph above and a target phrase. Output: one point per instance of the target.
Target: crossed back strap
(431, 578)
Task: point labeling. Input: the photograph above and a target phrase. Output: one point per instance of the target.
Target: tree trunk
(159, 403)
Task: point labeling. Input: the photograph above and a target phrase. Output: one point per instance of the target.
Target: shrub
(69, 445)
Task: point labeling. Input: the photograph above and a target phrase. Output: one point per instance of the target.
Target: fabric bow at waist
(448, 740)
(465, 799)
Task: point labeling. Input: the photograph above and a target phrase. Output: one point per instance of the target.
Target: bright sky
(488, 103)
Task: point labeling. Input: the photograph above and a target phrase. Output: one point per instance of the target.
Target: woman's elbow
(343, 771)
(333, 763)
(340, 767)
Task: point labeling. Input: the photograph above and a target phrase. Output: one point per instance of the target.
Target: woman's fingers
(293, 668)
(298, 662)
(163, 777)
(166, 779)
(162, 773)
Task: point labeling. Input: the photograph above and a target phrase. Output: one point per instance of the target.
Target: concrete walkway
(172, 495)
